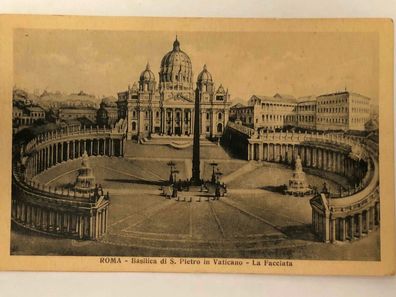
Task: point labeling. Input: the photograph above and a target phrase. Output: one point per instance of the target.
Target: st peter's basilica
(167, 108)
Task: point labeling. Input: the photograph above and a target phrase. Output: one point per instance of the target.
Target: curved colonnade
(62, 211)
(343, 213)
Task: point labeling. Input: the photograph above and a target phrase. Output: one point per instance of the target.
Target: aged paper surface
(197, 145)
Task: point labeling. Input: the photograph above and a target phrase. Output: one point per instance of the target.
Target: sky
(262, 63)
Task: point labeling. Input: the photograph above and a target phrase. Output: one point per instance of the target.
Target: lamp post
(214, 165)
(172, 165)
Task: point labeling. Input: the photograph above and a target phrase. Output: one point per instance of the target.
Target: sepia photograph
(234, 148)
(158, 144)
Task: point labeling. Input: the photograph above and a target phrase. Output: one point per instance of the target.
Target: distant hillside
(58, 96)
(58, 99)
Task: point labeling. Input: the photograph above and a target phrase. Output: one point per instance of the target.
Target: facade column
(104, 147)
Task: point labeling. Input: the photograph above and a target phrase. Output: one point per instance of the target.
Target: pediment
(179, 99)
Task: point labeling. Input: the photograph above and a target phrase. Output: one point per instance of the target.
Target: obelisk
(196, 176)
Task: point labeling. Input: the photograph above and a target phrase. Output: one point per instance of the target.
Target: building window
(133, 126)
(219, 128)
(220, 116)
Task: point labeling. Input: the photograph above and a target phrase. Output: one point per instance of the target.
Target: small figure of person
(174, 192)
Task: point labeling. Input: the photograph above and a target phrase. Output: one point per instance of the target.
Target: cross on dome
(176, 45)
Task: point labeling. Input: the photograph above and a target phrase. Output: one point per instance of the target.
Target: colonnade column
(343, 229)
(333, 230)
(351, 228)
(367, 221)
(360, 225)
(261, 148)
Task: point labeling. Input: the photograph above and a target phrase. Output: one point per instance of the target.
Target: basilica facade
(166, 108)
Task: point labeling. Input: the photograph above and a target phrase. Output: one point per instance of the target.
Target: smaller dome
(204, 75)
(147, 74)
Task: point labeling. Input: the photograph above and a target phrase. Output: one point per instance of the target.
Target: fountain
(85, 182)
(297, 183)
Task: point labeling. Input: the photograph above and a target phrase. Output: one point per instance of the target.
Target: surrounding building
(102, 116)
(111, 109)
(306, 113)
(267, 112)
(342, 111)
(336, 111)
(26, 115)
(168, 109)
(74, 113)
(234, 111)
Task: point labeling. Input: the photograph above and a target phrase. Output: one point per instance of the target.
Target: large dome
(176, 66)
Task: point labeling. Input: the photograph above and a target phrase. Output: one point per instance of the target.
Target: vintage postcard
(197, 145)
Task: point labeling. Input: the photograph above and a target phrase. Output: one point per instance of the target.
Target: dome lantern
(176, 45)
